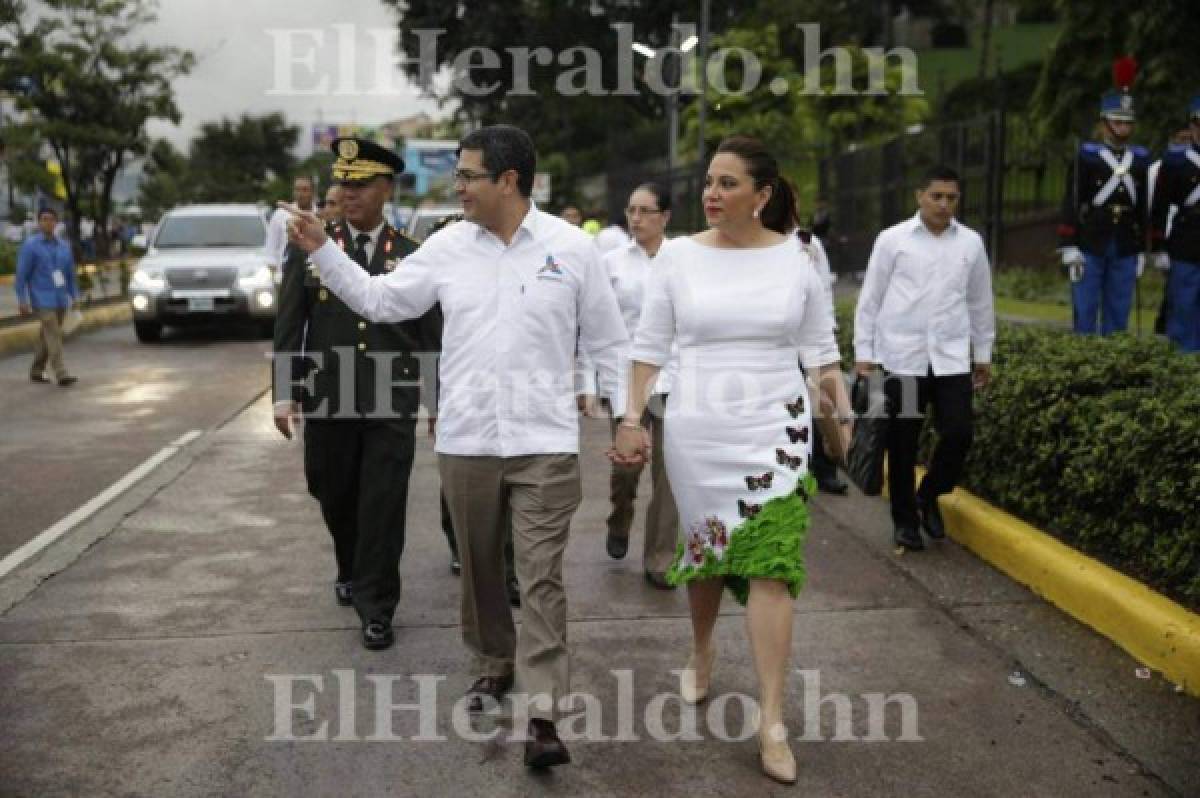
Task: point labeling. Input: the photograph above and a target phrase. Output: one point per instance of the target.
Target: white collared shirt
(513, 315)
(374, 234)
(629, 268)
(926, 301)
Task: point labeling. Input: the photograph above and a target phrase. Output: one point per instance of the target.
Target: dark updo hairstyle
(779, 214)
(661, 195)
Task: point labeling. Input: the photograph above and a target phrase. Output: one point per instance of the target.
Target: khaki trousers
(49, 343)
(662, 517)
(542, 492)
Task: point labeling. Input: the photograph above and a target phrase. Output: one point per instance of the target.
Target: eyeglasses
(465, 176)
(634, 210)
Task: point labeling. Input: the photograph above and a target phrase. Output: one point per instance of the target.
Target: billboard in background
(430, 161)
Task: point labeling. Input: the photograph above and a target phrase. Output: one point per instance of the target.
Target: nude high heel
(776, 755)
(694, 678)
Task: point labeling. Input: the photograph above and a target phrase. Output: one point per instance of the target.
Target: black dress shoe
(832, 485)
(659, 580)
(543, 749)
(489, 687)
(455, 565)
(908, 537)
(343, 593)
(38, 378)
(514, 592)
(377, 635)
(931, 519)
(67, 380)
(616, 546)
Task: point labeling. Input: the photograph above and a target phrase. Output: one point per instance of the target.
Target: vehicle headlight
(148, 280)
(258, 277)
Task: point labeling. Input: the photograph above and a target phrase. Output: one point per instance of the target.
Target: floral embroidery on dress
(711, 534)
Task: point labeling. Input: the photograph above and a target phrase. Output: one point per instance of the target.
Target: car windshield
(210, 231)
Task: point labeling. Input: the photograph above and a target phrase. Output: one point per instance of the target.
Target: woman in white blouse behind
(629, 266)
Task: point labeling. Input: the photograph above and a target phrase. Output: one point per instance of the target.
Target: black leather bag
(864, 463)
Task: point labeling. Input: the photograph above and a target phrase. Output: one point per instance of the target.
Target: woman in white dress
(741, 303)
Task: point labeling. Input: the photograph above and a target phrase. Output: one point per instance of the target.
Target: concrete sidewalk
(144, 666)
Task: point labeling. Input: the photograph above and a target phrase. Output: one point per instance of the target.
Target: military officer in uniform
(1102, 236)
(358, 386)
(1177, 242)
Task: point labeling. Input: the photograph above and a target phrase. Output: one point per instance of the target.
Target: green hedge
(1097, 442)
(8, 257)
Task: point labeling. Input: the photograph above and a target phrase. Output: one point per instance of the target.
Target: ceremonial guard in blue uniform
(1102, 235)
(1175, 234)
(358, 386)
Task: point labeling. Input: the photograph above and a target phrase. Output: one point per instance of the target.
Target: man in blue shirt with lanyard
(46, 287)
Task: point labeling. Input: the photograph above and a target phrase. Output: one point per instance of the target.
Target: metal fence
(1011, 185)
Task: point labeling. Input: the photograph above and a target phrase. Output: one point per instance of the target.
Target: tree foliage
(1162, 36)
(89, 88)
(247, 159)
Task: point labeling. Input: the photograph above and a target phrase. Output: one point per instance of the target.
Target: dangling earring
(756, 213)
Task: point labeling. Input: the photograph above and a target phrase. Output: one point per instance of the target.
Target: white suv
(204, 262)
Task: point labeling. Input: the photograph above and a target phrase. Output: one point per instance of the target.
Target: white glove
(1070, 255)
(1162, 261)
(1075, 271)
(1141, 263)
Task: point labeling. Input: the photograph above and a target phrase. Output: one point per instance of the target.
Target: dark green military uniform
(359, 386)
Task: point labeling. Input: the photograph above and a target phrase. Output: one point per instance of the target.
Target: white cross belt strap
(1194, 197)
(1120, 174)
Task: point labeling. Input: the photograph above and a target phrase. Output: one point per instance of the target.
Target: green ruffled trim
(768, 546)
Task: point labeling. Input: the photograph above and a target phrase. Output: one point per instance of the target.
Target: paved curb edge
(1153, 629)
(23, 337)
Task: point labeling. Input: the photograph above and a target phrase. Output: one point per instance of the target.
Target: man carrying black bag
(924, 313)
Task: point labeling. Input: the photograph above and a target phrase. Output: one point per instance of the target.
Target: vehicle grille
(191, 279)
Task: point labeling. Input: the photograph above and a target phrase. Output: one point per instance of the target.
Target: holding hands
(631, 446)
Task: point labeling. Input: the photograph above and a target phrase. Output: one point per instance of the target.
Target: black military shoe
(38, 378)
(659, 580)
(544, 749)
(377, 635)
(514, 592)
(67, 379)
(344, 593)
(908, 537)
(931, 519)
(616, 546)
(495, 688)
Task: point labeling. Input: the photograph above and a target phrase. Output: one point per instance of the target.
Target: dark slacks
(358, 471)
(908, 398)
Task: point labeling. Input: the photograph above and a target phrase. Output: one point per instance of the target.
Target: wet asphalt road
(59, 447)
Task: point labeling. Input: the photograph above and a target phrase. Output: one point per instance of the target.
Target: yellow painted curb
(1155, 630)
(23, 337)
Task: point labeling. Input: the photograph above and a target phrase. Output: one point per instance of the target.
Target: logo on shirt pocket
(550, 270)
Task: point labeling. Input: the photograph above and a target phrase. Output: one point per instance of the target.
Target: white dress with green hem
(738, 426)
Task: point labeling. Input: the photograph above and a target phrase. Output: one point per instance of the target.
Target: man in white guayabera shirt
(518, 288)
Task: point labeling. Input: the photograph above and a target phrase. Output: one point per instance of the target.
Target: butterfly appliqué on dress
(747, 510)
(798, 434)
(792, 462)
(763, 482)
(795, 408)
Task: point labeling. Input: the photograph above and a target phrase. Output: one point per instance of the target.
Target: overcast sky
(239, 63)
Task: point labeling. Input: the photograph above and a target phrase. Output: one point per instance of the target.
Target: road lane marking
(34, 547)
